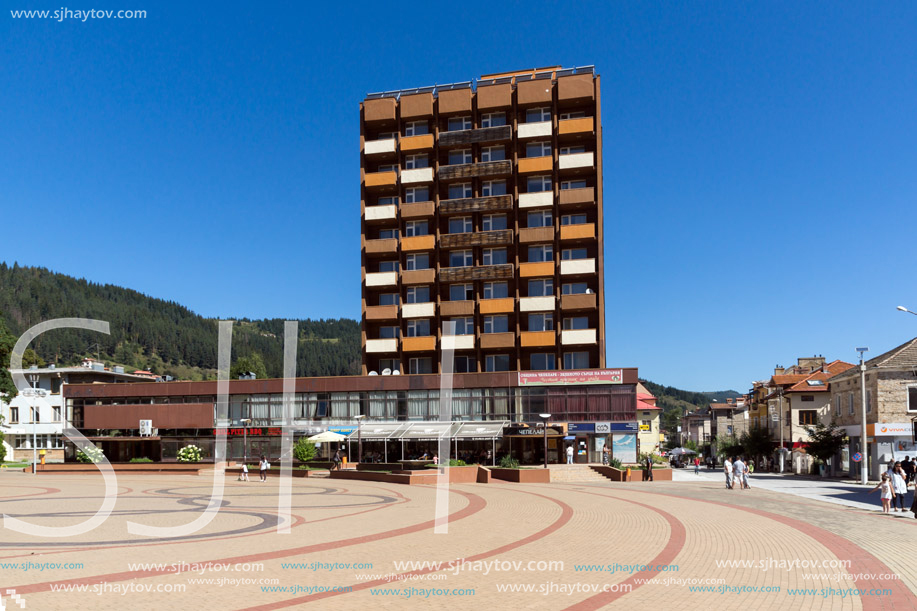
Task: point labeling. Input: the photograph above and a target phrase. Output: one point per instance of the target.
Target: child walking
(888, 493)
(244, 476)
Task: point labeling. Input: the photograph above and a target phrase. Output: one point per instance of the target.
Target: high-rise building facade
(481, 206)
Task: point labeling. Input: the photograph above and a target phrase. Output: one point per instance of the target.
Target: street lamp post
(904, 309)
(359, 420)
(35, 407)
(864, 468)
(544, 425)
(245, 422)
(780, 422)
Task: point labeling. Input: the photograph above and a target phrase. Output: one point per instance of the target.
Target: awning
(479, 430)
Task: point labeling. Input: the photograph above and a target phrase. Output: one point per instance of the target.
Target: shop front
(526, 443)
(589, 440)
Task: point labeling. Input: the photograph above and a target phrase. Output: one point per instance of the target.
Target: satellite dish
(386, 372)
(589, 291)
(373, 373)
(396, 373)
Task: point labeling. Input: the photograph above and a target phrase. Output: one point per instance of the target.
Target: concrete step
(575, 473)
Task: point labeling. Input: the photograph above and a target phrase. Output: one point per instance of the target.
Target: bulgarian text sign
(252, 431)
(583, 376)
(631, 427)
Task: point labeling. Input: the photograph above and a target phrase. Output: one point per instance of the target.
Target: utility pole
(864, 467)
(780, 421)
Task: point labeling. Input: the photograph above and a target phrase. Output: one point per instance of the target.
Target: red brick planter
(522, 476)
(155, 467)
(460, 475)
(410, 478)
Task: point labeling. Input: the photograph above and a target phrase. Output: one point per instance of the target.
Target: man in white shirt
(727, 468)
(569, 455)
(738, 472)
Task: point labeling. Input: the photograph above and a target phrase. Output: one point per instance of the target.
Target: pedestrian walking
(727, 468)
(336, 460)
(569, 455)
(887, 494)
(262, 468)
(696, 465)
(900, 486)
(908, 466)
(243, 477)
(749, 469)
(648, 468)
(738, 473)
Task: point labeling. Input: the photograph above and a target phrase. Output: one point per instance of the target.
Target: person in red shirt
(696, 465)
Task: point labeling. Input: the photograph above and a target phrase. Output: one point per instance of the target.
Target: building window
(576, 360)
(538, 184)
(461, 258)
(391, 364)
(868, 401)
(57, 414)
(573, 219)
(416, 228)
(574, 288)
(538, 115)
(575, 114)
(464, 364)
(387, 201)
(388, 332)
(912, 398)
(837, 405)
(573, 253)
(490, 188)
(808, 417)
(540, 218)
(850, 403)
(493, 153)
(541, 322)
(388, 299)
(416, 194)
(543, 361)
(464, 325)
(387, 168)
(496, 362)
(541, 253)
(496, 290)
(460, 157)
(388, 234)
(460, 224)
(417, 261)
(543, 287)
(576, 323)
(420, 365)
(493, 119)
(14, 415)
(388, 266)
(461, 292)
(418, 328)
(36, 414)
(572, 184)
(493, 222)
(496, 324)
(808, 398)
(572, 150)
(494, 256)
(455, 124)
(460, 190)
(418, 294)
(537, 149)
(415, 162)
(416, 128)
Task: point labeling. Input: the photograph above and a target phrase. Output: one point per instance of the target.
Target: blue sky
(759, 160)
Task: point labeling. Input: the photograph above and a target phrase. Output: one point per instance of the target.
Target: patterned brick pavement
(692, 529)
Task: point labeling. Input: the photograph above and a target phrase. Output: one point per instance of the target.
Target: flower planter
(521, 476)
(460, 475)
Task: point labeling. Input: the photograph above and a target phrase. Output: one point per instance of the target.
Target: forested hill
(159, 335)
(669, 397)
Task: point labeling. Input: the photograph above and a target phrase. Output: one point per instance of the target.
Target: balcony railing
(475, 170)
(483, 272)
(473, 136)
(482, 238)
(476, 204)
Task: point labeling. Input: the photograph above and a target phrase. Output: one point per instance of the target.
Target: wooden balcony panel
(418, 344)
(417, 105)
(388, 312)
(476, 204)
(476, 170)
(456, 308)
(416, 243)
(536, 270)
(381, 247)
(494, 96)
(577, 232)
(537, 339)
(379, 110)
(575, 87)
(577, 196)
(469, 274)
(498, 306)
(575, 126)
(536, 91)
(418, 276)
(536, 164)
(380, 179)
(417, 210)
(454, 100)
(498, 340)
(474, 136)
(481, 238)
(578, 302)
(416, 143)
(530, 235)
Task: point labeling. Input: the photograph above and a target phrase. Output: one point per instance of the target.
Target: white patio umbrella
(327, 436)
(680, 451)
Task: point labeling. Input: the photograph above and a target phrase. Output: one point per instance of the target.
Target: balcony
(585, 231)
(409, 177)
(534, 130)
(380, 213)
(418, 310)
(416, 143)
(476, 204)
(483, 272)
(458, 342)
(374, 346)
(536, 304)
(498, 340)
(419, 242)
(577, 266)
(505, 305)
(386, 312)
(456, 308)
(571, 337)
(417, 210)
(537, 339)
(539, 269)
(381, 247)
(585, 301)
(572, 197)
(474, 136)
(573, 161)
(532, 165)
(529, 235)
(419, 344)
(575, 126)
(575, 87)
(380, 179)
(475, 170)
(536, 200)
(382, 279)
(379, 110)
(377, 147)
(418, 276)
(481, 238)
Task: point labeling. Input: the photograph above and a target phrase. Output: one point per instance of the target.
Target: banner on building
(585, 376)
(624, 447)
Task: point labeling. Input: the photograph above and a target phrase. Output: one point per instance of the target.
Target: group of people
(894, 485)
(737, 472)
(263, 466)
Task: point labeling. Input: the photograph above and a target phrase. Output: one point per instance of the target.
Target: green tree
(757, 442)
(825, 441)
(729, 445)
(29, 358)
(244, 364)
(304, 450)
(7, 342)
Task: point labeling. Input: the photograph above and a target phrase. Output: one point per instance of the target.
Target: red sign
(252, 431)
(582, 376)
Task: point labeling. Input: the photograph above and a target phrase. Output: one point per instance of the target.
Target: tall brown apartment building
(481, 205)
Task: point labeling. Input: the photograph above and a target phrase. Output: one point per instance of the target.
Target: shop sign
(885, 429)
(531, 431)
(644, 427)
(581, 427)
(584, 376)
(255, 432)
(632, 427)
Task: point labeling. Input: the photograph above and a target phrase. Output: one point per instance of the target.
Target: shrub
(2, 448)
(91, 455)
(189, 454)
(304, 450)
(141, 460)
(616, 463)
(508, 462)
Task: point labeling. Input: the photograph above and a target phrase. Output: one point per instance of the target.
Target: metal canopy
(480, 430)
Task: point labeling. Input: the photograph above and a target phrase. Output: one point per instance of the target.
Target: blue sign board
(631, 427)
(581, 427)
(343, 430)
